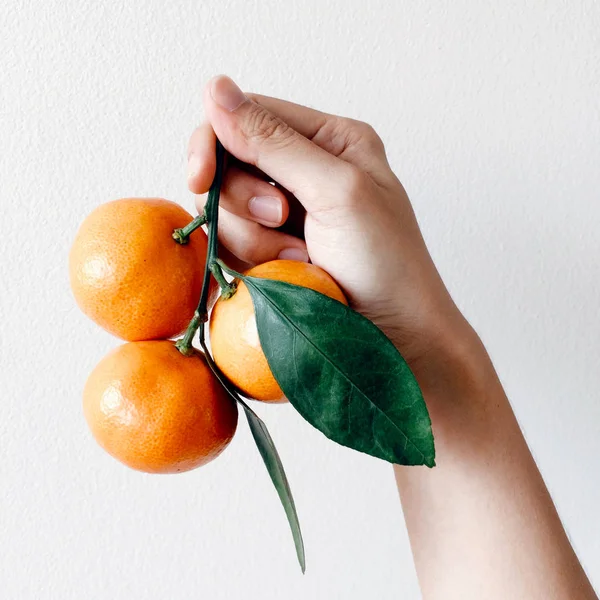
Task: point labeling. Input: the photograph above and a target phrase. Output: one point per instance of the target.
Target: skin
(482, 523)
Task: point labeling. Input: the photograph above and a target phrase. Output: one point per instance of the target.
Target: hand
(333, 178)
(484, 508)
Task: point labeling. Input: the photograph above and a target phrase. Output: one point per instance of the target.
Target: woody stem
(211, 216)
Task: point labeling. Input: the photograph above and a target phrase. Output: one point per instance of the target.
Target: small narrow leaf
(270, 456)
(268, 451)
(341, 373)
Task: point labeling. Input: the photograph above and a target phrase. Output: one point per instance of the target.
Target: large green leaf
(341, 373)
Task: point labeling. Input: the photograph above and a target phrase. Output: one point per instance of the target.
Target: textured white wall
(490, 112)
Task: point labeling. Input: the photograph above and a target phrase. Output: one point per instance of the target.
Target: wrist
(463, 394)
(449, 358)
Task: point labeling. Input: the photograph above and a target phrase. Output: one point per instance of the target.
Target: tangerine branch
(211, 216)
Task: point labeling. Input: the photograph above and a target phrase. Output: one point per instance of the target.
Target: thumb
(256, 136)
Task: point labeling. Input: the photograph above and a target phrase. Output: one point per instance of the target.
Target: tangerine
(130, 276)
(156, 410)
(234, 337)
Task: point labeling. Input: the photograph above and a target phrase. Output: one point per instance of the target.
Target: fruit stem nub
(184, 345)
(182, 234)
(227, 289)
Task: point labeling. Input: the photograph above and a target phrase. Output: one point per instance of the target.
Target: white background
(490, 112)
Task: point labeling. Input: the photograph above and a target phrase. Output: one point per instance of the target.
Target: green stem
(211, 216)
(184, 345)
(182, 235)
(227, 289)
(228, 270)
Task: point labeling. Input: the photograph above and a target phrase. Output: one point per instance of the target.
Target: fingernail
(194, 165)
(226, 93)
(294, 254)
(266, 208)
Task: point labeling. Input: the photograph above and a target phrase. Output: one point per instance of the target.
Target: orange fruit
(233, 335)
(156, 410)
(130, 276)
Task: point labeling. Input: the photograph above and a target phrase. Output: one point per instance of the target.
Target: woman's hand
(335, 190)
(481, 523)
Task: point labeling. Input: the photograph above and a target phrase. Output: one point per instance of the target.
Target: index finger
(201, 157)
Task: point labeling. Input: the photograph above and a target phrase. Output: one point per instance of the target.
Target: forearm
(482, 524)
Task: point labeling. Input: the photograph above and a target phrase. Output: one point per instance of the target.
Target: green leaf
(266, 447)
(341, 373)
(270, 456)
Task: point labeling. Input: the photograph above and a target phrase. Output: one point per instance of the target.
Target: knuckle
(350, 134)
(367, 135)
(261, 125)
